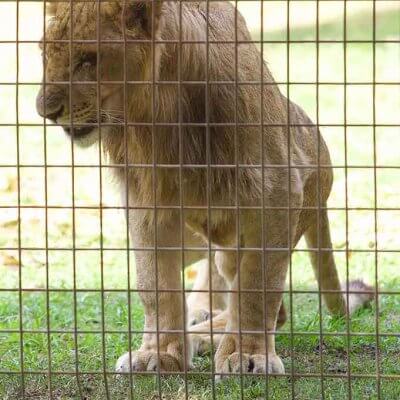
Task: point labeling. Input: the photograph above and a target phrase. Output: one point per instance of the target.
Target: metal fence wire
(185, 275)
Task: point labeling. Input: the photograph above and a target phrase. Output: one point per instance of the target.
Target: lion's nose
(50, 106)
(54, 115)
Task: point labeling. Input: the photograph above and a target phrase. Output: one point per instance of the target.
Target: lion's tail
(358, 293)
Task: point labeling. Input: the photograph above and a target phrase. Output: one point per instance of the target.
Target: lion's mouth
(78, 132)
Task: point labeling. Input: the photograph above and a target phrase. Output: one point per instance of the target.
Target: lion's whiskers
(112, 115)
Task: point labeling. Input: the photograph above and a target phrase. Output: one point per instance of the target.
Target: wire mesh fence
(220, 218)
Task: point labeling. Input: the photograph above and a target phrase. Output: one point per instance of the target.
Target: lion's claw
(147, 361)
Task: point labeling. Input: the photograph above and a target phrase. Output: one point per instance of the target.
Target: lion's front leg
(252, 352)
(157, 272)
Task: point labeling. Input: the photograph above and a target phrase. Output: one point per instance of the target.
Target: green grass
(304, 354)
(336, 355)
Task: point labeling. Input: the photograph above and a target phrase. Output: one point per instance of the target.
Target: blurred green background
(354, 144)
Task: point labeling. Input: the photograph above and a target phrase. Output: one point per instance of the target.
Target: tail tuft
(363, 295)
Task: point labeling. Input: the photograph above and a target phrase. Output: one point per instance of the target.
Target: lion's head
(91, 49)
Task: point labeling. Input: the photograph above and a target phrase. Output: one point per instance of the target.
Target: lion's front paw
(228, 359)
(147, 361)
(252, 363)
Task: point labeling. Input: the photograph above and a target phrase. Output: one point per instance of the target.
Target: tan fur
(228, 185)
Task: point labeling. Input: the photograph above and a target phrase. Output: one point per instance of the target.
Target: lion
(212, 161)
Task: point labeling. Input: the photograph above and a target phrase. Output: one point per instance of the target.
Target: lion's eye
(88, 60)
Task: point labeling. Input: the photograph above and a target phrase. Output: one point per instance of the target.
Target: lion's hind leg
(207, 335)
(198, 301)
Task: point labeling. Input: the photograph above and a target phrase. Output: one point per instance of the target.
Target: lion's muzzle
(50, 103)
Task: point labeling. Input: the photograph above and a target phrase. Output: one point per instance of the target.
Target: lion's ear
(51, 7)
(144, 14)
